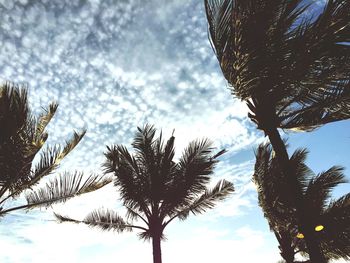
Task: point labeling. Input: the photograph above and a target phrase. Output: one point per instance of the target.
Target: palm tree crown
(292, 69)
(22, 137)
(330, 219)
(155, 189)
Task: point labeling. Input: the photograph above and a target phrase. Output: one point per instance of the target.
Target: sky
(114, 65)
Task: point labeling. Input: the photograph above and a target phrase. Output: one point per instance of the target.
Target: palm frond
(191, 175)
(45, 118)
(14, 109)
(272, 186)
(129, 178)
(207, 200)
(102, 218)
(319, 188)
(71, 144)
(300, 170)
(51, 158)
(65, 187)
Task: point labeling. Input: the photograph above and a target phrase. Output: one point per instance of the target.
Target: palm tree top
(22, 138)
(328, 217)
(154, 188)
(283, 62)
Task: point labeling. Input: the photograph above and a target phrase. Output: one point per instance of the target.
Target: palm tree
(329, 219)
(22, 137)
(155, 189)
(292, 70)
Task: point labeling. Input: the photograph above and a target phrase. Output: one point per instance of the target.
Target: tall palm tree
(155, 189)
(292, 70)
(22, 137)
(329, 219)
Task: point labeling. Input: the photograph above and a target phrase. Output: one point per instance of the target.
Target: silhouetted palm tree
(329, 219)
(292, 70)
(155, 189)
(22, 137)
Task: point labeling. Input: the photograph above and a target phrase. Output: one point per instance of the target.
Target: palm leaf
(65, 187)
(319, 188)
(207, 200)
(190, 175)
(102, 218)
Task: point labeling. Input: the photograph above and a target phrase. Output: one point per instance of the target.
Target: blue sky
(116, 65)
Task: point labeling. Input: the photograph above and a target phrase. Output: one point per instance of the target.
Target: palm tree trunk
(157, 253)
(315, 253)
(286, 248)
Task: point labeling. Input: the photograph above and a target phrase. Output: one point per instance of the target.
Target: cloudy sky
(113, 65)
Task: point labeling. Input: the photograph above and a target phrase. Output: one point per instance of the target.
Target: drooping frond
(207, 200)
(320, 187)
(65, 187)
(102, 218)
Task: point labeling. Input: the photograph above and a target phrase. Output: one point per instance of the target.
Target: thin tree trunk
(157, 253)
(315, 253)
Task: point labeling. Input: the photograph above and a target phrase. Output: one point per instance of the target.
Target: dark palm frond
(102, 218)
(71, 144)
(145, 235)
(64, 187)
(326, 106)
(129, 177)
(14, 109)
(196, 164)
(148, 151)
(320, 187)
(336, 235)
(300, 170)
(45, 118)
(221, 31)
(35, 130)
(133, 215)
(272, 186)
(207, 200)
(49, 161)
(192, 173)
